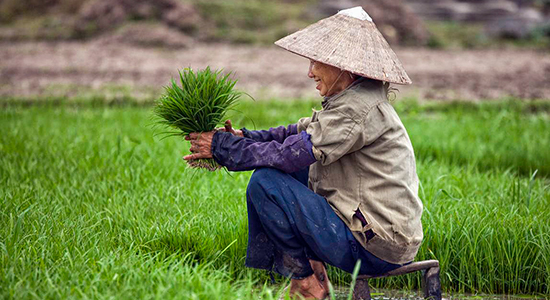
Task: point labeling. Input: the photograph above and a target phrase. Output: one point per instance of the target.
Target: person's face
(325, 76)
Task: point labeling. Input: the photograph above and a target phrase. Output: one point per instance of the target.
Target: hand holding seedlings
(201, 142)
(198, 104)
(201, 145)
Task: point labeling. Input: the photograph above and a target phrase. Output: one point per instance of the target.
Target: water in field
(342, 294)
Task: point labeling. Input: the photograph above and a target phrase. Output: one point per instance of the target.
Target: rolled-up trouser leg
(272, 239)
(288, 221)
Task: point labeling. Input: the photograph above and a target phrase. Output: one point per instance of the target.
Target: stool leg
(361, 290)
(431, 284)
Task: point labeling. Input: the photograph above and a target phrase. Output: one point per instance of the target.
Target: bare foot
(321, 273)
(308, 288)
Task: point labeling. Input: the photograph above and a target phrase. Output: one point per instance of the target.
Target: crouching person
(337, 187)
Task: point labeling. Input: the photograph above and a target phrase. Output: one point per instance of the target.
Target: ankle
(304, 283)
(308, 287)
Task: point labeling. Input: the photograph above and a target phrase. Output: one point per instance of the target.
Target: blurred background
(115, 49)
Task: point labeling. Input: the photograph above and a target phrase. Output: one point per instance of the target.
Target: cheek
(326, 83)
(323, 89)
(321, 84)
(327, 79)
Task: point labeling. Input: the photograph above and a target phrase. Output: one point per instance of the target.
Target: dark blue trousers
(288, 224)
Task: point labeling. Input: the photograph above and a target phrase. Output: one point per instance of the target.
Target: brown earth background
(464, 50)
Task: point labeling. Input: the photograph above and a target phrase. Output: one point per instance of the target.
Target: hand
(201, 145)
(229, 128)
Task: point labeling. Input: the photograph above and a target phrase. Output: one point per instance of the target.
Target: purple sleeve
(243, 154)
(278, 134)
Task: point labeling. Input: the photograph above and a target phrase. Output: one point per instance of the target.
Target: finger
(228, 127)
(194, 135)
(194, 156)
(189, 157)
(187, 138)
(196, 146)
(201, 143)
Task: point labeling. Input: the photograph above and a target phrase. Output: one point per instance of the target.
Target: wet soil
(382, 294)
(75, 68)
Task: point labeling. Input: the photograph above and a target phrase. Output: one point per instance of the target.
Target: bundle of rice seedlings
(199, 105)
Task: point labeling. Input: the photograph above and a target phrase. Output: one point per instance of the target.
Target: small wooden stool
(430, 280)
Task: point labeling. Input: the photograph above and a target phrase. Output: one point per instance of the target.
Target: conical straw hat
(348, 40)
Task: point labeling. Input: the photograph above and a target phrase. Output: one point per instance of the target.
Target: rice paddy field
(95, 206)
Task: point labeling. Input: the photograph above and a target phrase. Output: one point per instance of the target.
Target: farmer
(337, 187)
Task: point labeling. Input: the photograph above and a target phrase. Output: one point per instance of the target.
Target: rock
(456, 11)
(185, 18)
(482, 11)
(101, 15)
(465, 10)
(518, 25)
(499, 7)
(501, 18)
(487, 12)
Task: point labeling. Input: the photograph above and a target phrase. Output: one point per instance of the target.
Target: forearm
(242, 154)
(278, 134)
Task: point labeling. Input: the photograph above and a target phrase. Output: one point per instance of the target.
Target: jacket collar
(327, 100)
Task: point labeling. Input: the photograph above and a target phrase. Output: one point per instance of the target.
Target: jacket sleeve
(242, 154)
(278, 134)
(303, 123)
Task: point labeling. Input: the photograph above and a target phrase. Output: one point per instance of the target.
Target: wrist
(217, 140)
(246, 133)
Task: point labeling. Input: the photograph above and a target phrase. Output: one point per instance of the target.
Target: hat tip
(356, 12)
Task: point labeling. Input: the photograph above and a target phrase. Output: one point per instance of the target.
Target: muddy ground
(98, 68)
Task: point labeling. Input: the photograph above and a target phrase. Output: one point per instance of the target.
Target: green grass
(507, 136)
(93, 206)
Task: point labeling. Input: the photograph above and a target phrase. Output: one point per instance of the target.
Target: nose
(309, 73)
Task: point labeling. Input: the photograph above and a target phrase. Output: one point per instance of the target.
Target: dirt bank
(73, 68)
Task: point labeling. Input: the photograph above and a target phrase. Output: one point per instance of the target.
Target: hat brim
(349, 44)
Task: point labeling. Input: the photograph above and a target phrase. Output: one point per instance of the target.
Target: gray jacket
(365, 162)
